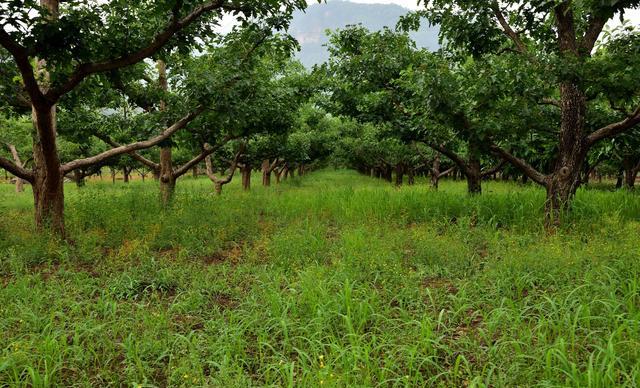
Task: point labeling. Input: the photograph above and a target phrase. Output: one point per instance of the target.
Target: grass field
(331, 280)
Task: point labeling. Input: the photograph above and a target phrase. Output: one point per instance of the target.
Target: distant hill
(309, 27)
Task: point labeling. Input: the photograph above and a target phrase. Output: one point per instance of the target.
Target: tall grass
(333, 279)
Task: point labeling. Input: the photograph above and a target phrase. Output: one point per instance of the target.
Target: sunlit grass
(333, 279)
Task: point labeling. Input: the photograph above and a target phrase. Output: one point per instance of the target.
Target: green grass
(330, 280)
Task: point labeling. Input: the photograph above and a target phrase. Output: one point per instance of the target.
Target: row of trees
(538, 85)
(537, 89)
(126, 73)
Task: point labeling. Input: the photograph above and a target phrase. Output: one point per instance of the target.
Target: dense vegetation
(331, 278)
(268, 224)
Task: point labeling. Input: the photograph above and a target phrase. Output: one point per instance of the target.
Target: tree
(557, 38)
(55, 49)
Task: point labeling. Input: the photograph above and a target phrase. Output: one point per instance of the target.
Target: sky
(633, 15)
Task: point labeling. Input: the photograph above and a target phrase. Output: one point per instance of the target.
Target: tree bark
(48, 186)
(399, 174)
(411, 180)
(167, 177)
(473, 170)
(630, 172)
(565, 179)
(246, 177)
(266, 173)
(125, 172)
(435, 172)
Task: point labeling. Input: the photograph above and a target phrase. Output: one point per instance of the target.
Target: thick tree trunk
(195, 171)
(246, 178)
(48, 186)
(217, 187)
(167, 177)
(18, 162)
(301, 170)
(266, 173)
(125, 174)
(565, 179)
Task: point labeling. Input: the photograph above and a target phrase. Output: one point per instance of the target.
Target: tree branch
(526, 168)
(446, 172)
(588, 41)
(521, 47)
(14, 169)
(550, 101)
(493, 170)
(615, 128)
(450, 154)
(21, 57)
(232, 168)
(206, 151)
(149, 163)
(80, 163)
(175, 25)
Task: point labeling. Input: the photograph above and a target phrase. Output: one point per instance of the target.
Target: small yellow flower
(321, 356)
(186, 377)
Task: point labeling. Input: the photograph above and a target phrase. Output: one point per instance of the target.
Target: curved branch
(521, 47)
(21, 57)
(526, 168)
(149, 163)
(86, 69)
(446, 172)
(615, 128)
(14, 169)
(455, 158)
(80, 163)
(493, 170)
(206, 151)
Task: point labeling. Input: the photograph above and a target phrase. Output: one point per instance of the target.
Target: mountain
(309, 27)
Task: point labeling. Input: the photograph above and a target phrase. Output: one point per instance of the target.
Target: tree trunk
(619, 178)
(167, 178)
(387, 174)
(399, 174)
(630, 172)
(473, 170)
(113, 176)
(435, 172)
(217, 187)
(78, 177)
(565, 179)
(48, 186)
(18, 162)
(266, 173)
(301, 170)
(125, 172)
(246, 178)
(411, 176)
(195, 171)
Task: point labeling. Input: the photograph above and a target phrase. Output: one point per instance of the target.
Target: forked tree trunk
(565, 179)
(48, 186)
